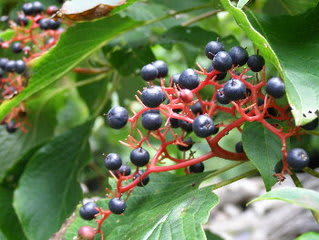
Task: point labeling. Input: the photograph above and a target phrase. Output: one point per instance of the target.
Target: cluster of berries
(34, 32)
(170, 114)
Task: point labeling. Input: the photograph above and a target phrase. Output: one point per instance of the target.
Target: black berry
(212, 48)
(11, 127)
(117, 117)
(22, 20)
(187, 126)
(189, 143)
(139, 157)
(53, 25)
(197, 168)
(20, 66)
(153, 96)
(219, 76)
(203, 126)
(197, 108)
(188, 79)
(239, 55)
(255, 62)
(113, 161)
(143, 182)
(161, 67)
(312, 125)
(174, 79)
(152, 121)
(124, 170)
(10, 66)
(37, 7)
(44, 23)
(149, 72)
(16, 47)
(117, 206)
(297, 158)
(221, 98)
(174, 122)
(88, 211)
(239, 147)
(3, 62)
(27, 9)
(234, 89)
(222, 61)
(275, 87)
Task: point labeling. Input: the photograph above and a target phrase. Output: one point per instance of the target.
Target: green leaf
(242, 3)
(308, 236)
(88, 36)
(263, 149)
(7, 34)
(291, 7)
(169, 207)
(48, 190)
(9, 222)
(212, 236)
(288, 43)
(302, 197)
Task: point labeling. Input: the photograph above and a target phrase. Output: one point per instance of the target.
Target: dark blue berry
(174, 122)
(221, 98)
(27, 9)
(117, 117)
(174, 79)
(197, 108)
(298, 158)
(11, 127)
(124, 170)
(161, 67)
(53, 25)
(117, 206)
(152, 121)
(197, 168)
(139, 157)
(239, 55)
(149, 72)
(187, 126)
(222, 61)
(22, 20)
(44, 23)
(113, 161)
(312, 125)
(16, 47)
(234, 89)
(212, 48)
(10, 66)
(88, 211)
(37, 7)
(239, 147)
(143, 182)
(203, 126)
(256, 63)
(189, 143)
(216, 129)
(153, 96)
(219, 76)
(275, 87)
(20, 66)
(3, 62)
(188, 79)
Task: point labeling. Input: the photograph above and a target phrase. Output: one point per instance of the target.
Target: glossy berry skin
(174, 122)
(187, 126)
(298, 158)
(203, 126)
(149, 72)
(86, 233)
(219, 76)
(275, 87)
(174, 79)
(222, 61)
(161, 67)
(27, 9)
(221, 98)
(3, 62)
(239, 55)
(37, 7)
(113, 161)
(239, 147)
(153, 96)
(189, 142)
(139, 157)
(188, 79)
(196, 108)
(197, 168)
(20, 66)
(10, 66)
(22, 20)
(124, 170)
(88, 211)
(143, 182)
(117, 206)
(312, 125)
(16, 47)
(256, 63)
(212, 48)
(44, 23)
(11, 127)
(117, 117)
(234, 90)
(53, 25)
(152, 121)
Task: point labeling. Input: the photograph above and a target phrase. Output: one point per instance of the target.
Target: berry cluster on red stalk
(34, 32)
(175, 108)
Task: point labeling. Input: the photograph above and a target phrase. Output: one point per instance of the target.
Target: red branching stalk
(246, 110)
